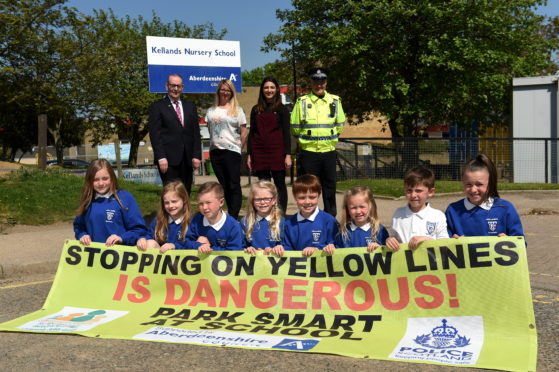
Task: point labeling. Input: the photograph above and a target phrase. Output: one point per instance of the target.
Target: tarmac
(29, 250)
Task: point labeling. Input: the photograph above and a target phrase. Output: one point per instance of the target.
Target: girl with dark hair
(269, 139)
(106, 213)
(482, 212)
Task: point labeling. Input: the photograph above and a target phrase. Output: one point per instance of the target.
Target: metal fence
(516, 159)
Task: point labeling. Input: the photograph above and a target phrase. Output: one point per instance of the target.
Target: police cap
(318, 74)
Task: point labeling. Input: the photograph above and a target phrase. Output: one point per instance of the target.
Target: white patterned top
(225, 130)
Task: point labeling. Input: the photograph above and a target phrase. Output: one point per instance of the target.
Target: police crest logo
(316, 236)
(110, 214)
(455, 340)
(431, 227)
(492, 224)
(441, 337)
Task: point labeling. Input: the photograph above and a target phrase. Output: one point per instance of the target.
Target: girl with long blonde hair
(263, 224)
(168, 230)
(360, 225)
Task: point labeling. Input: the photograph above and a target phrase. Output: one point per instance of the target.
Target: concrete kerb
(13, 271)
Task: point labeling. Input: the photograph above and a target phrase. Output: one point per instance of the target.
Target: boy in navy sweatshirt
(311, 228)
(212, 228)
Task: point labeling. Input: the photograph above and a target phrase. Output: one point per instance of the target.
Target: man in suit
(175, 134)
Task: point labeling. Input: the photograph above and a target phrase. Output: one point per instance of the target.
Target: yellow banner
(460, 302)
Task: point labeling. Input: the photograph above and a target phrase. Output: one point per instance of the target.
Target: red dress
(267, 143)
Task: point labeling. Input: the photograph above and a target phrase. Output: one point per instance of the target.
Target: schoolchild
(417, 221)
(263, 224)
(360, 225)
(106, 213)
(168, 229)
(482, 212)
(310, 228)
(212, 228)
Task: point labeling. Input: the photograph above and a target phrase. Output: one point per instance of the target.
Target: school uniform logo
(431, 226)
(110, 214)
(316, 235)
(222, 243)
(370, 240)
(492, 225)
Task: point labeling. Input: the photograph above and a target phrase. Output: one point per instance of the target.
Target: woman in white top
(227, 125)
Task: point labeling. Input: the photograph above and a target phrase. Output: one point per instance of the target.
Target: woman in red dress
(269, 139)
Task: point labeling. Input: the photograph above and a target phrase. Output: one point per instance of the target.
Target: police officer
(317, 120)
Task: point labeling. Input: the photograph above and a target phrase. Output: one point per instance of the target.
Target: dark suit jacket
(168, 138)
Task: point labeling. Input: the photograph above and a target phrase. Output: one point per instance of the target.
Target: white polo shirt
(429, 222)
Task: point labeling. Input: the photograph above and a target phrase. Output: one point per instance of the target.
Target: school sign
(202, 63)
(459, 302)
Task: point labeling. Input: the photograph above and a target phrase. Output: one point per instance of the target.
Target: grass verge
(395, 188)
(31, 197)
(41, 198)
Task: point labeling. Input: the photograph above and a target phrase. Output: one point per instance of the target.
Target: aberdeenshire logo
(442, 337)
(296, 344)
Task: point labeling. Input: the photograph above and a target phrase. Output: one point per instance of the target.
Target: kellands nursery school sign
(201, 63)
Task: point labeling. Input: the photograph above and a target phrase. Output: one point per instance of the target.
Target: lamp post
(294, 71)
(293, 63)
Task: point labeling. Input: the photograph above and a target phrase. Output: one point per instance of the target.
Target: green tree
(281, 70)
(114, 68)
(37, 74)
(418, 60)
(551, 30)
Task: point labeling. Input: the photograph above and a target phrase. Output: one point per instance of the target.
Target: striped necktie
(178, 110)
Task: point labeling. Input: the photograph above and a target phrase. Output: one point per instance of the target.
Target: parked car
(69, 163)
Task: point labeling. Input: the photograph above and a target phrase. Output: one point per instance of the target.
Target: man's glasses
(175, 86)
(263, 200)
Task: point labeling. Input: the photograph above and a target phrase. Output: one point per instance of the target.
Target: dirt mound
(8, 165)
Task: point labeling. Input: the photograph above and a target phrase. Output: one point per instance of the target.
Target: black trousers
(227, 168)
(181, 172)
(279, 181)
(322, 165)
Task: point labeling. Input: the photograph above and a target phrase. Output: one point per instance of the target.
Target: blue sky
(247, 21)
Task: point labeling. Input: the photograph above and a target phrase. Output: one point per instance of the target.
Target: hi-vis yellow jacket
(317, 122)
